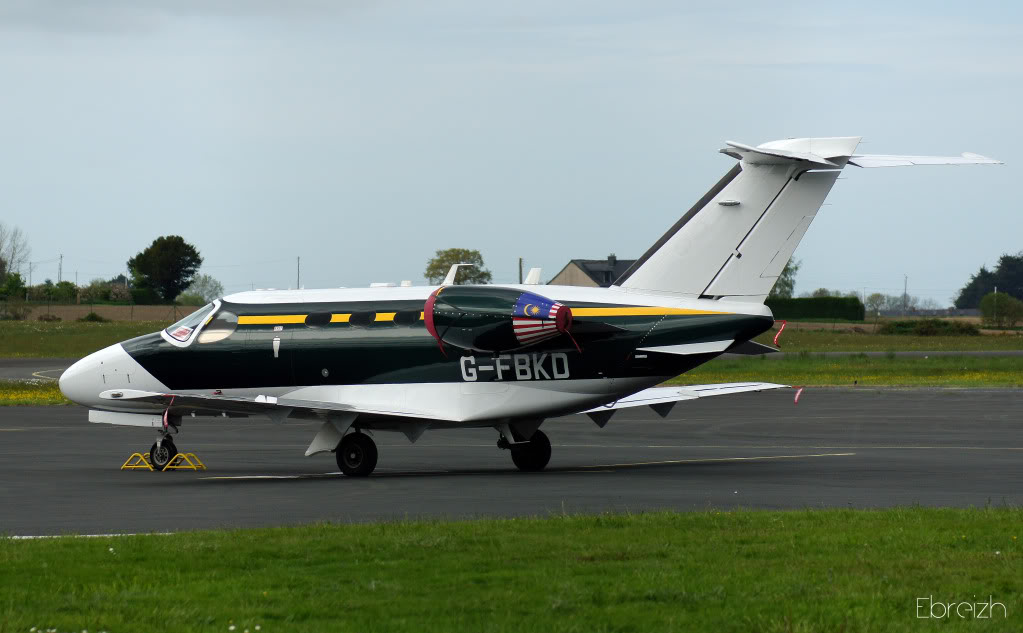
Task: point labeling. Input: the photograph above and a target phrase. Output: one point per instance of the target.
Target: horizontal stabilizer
(886, 160)
(765, 155)
(689, 348)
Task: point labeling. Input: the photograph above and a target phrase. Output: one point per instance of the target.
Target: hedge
(847, 308)
(930, 327)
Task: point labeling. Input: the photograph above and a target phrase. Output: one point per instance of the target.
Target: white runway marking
(37, 374)
(720, 459)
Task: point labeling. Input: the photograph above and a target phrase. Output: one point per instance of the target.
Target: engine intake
(486, 319)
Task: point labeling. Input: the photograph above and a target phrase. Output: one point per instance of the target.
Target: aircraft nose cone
(111, 368)
(97, 372)
(74, 381)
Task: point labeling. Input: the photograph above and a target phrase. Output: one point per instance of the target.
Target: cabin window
(362, 318)
(407, 317)
(183, 329)
(222, 326)
(318, 319)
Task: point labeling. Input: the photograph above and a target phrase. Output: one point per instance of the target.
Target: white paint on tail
(736, 240)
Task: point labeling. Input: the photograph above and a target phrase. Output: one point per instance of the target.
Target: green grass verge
(70, 339)
(810, 369)
(18, 393)
(825, 340)
(821, 570)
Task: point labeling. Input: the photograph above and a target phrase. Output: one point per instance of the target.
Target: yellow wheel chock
(185, 461)
(137, 461)
(181, 461)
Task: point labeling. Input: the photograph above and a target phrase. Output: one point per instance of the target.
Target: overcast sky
(362, 136)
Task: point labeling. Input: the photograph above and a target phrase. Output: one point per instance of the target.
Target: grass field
(825, 340)
(833, 570)
(34, 339)
(813, 369)
(15, 393)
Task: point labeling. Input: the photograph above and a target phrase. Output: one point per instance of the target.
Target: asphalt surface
(33, 368)
(836, 448)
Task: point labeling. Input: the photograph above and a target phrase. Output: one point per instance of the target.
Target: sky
(363, 136)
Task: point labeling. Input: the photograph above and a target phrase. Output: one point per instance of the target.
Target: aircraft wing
(276, 408)
(662, 399)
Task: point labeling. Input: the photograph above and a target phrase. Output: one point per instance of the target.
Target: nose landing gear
(162, 452)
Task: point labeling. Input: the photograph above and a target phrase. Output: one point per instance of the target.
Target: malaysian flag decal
(536, 318)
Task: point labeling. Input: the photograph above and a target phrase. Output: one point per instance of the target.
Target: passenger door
(267, 361)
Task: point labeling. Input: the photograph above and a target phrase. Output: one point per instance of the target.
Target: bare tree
(206, 287)
(14, 249)
(875, 302)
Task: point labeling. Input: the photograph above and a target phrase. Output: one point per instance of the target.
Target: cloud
(146, 16)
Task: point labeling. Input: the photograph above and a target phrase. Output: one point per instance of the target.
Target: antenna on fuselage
(449, 279)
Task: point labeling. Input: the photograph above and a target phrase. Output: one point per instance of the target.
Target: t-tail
(735, 241)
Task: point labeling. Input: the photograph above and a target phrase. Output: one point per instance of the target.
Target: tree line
(165, 272)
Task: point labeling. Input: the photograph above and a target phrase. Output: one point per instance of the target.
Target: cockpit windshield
(184, 328)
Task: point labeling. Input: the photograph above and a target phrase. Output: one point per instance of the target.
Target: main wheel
(533, 455)
(357, 455)
(161, 454)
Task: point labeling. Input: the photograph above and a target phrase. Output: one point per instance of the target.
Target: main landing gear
(531, 456)
(356, 455)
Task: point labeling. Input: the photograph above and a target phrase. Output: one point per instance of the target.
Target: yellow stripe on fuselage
(636, 311)
(283, 319)
(271, 319)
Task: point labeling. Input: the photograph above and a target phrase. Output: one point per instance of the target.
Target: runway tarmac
(836, 448)
(33, 368)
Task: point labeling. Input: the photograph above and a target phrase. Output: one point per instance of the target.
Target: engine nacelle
(487, 319)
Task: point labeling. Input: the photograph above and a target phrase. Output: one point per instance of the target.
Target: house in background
(592, 273)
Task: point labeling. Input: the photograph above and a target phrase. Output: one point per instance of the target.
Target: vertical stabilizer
(736, 240)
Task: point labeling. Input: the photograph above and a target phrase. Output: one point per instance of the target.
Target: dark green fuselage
(387, 342)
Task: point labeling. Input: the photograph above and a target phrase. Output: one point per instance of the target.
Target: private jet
(409, 359)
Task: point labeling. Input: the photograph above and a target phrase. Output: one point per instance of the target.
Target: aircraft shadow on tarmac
(751, 464)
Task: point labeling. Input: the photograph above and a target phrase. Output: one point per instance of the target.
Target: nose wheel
(356, 455)
(162, 453)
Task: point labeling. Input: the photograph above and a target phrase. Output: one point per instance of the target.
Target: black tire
(534, 455)
(357, 455)
(162, 455)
